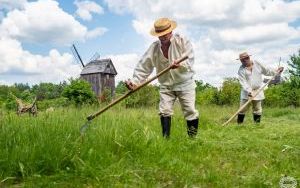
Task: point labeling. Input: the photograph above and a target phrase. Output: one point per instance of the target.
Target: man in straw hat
(250, 75)
(178, 82)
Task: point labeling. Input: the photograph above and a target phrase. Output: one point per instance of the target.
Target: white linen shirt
(251, 81)
(178, 79)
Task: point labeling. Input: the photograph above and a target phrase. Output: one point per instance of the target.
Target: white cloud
(219, 30)
(12, 4)
(85, 8)
(15, 61)
(268, 11)
(188, 11)
(124, 64)
(96, 32)
(214, 12)
(44, 21)
(8, 5)
(260, 33)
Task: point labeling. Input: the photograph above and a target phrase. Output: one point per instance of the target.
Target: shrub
(58, 102)
(274, 96)
(147, 96)
(79, 92)
(10, 103)
(230, 92)
(207, 96)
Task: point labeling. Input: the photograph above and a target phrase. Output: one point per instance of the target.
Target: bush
(291, 94)
(207, 96)
(274, 96)
(147, 96)
(58, 102)
(10, 103)
(230, 92)
(79, 92)
(282, 95)
(201, 86)
(48, 90)
(27, 96)
(121, 88)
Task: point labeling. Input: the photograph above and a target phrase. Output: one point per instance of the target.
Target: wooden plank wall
(100, 81)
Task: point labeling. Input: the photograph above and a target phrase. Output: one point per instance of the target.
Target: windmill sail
(95, 57)
(76, 55)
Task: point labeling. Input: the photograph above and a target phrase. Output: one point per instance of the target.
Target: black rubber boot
(165, 125)
(256, 118)
(192, 127)
(240, 118)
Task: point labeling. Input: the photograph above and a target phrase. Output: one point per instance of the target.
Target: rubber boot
(165, 125)
(256, 118)
(240, 118)
(192, 127)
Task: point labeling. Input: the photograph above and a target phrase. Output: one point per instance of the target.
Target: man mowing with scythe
(178, 82)
(250, 76)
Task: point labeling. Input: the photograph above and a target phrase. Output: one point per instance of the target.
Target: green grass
(124, 148)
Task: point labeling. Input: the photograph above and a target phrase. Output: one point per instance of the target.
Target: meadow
(124, 148)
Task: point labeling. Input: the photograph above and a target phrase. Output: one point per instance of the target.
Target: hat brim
(243, 57)
(158, 34)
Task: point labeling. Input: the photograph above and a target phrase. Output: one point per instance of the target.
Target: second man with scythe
(251, 79)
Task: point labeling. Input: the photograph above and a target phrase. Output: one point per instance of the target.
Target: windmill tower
(100, 73)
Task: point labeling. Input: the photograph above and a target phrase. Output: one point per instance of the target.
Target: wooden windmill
(100, 73)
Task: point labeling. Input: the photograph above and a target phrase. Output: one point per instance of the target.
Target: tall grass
(124, 148)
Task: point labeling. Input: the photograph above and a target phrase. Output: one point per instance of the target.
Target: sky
(36, 36)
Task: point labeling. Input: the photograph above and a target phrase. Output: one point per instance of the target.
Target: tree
(22, 87)
(4, 90)
(294, 65)
(230, 91)
(207, 96)
(79, 91)
(294, 70)
(48, 90)
(121, 88)
(200, 86)
(292, 88)
(287, 93)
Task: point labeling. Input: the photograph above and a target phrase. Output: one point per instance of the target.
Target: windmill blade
(76, 55)
(95, 57)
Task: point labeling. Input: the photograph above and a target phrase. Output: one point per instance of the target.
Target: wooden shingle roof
(99, 66)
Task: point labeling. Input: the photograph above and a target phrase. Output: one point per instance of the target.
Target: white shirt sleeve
(188, 50)
(266, 71)
(144, 67)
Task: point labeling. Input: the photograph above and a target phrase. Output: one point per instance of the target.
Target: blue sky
(120, 33)
(35, 36)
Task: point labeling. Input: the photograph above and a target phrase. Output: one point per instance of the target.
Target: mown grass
(124, 148)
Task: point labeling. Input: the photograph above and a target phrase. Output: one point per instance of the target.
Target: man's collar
(171, 39)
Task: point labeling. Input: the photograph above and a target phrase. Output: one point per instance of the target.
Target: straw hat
(243, 55)
(163, 26)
